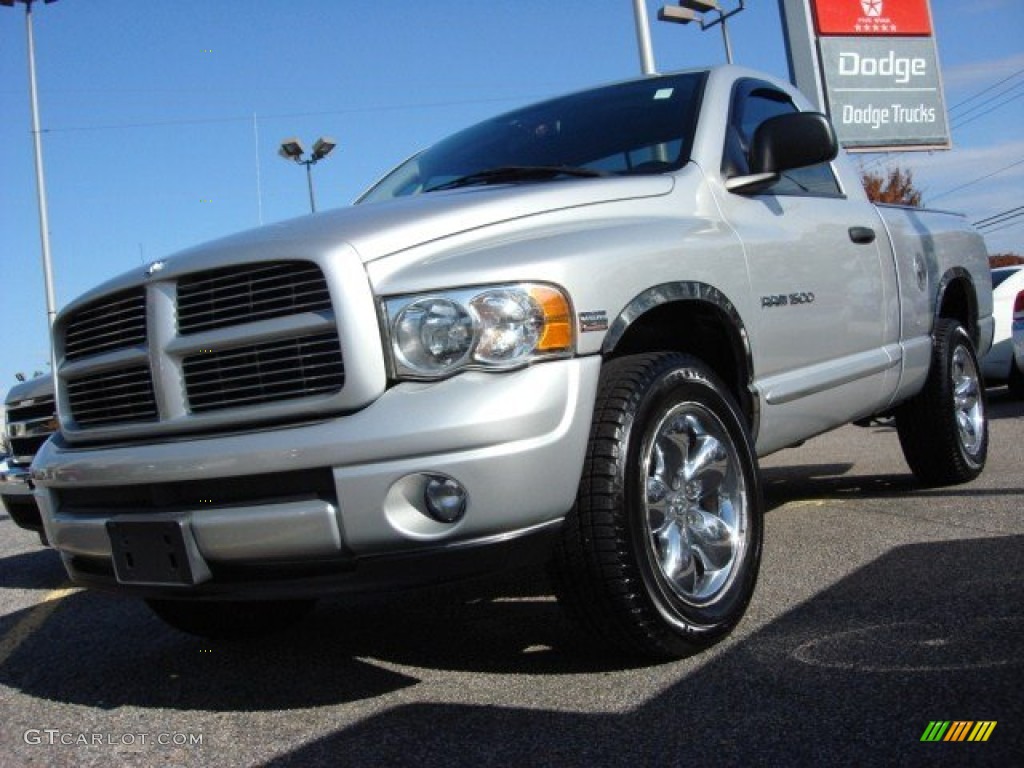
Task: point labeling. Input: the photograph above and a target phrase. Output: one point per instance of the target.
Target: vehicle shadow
(1002, 405)
(124, 656)
(852, 677)
(39, 569)
(802, 482)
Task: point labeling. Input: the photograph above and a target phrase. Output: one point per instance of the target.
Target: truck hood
(40, 386)
(377, 230)
(381, 229)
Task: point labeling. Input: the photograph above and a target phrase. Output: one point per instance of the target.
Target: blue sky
(162, 119)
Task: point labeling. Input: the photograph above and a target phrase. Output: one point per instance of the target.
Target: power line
(1008, 225)
(995, 226)
(991, 219)
(982, 92)
(975, 181)
(987, 111)
(1002, 94)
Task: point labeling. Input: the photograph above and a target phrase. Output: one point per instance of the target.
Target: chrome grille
(116, 322)
(235, 295)
(113, 397)
(29, 424)
(262, 373)
(175, 355)
(35, 409)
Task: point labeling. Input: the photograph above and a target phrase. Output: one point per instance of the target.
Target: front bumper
(301, 505)
(16, 492)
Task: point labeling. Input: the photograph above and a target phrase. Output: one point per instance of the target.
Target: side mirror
(784, 143)
(791, 141)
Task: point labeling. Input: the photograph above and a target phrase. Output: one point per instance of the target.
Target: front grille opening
(115, 322)
(271, 488)
(236, 295)
(261, 373)
(112, 397)
(24, 448)
(40, 408)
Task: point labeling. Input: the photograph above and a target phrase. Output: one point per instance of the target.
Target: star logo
(872, 8)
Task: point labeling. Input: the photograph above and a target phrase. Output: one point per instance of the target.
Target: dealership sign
(872, 65)
(881, 94)
(873, 17)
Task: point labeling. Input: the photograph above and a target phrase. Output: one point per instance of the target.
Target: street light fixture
(292, 149)
(44, 224)
(694, 10)
(678, 15)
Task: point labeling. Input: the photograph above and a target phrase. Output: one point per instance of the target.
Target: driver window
(752, 105)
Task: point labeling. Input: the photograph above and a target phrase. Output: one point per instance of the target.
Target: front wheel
(943, 430)
(230, 620)
(660, 554)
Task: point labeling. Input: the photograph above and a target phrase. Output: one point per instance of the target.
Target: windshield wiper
(509, 173)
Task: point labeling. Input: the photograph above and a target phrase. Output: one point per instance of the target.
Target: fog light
(445, 499)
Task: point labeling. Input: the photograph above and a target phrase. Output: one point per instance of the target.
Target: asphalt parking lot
(881, 608)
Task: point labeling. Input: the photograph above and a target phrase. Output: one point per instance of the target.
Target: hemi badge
(593, 321)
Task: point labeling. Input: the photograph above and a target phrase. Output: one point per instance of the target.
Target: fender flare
(952, 276)
(685, 291)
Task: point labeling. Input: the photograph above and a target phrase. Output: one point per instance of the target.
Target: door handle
(862, 235)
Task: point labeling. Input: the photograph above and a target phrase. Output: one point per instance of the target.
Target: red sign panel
(853, 18)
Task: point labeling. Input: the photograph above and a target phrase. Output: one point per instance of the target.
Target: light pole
(44, 224)
(292, 149)
(691, 10)
(643, 37)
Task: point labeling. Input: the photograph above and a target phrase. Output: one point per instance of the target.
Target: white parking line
(33, 620)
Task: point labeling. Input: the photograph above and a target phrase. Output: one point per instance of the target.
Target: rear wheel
(944, 429)
(660, 554)
(230, 620)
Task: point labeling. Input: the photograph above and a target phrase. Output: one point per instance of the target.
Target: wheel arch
(957, 299)
(692, 318)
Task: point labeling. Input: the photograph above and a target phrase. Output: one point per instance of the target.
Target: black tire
(1016, 381)
(234, 620)
(943, 430)
(616, 563)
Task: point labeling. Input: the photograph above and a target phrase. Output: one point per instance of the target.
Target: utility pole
(44, 222)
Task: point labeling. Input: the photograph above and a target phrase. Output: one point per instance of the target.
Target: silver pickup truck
(31, 418)
(564, 334)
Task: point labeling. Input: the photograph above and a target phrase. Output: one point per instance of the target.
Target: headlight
(494, 327)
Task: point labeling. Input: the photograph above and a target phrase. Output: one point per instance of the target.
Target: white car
(1017, 375)
(1001, 365)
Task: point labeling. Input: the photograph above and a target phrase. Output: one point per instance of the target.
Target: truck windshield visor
(639, 127)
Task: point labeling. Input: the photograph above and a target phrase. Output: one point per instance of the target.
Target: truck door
(824, 309)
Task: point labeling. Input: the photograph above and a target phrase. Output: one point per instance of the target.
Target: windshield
(643, 126)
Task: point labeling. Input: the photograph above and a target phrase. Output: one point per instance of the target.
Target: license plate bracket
(160, 552)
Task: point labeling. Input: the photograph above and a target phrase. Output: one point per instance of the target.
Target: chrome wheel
(943, 429)
(696, 503)
(967, 400)
(659, 556)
